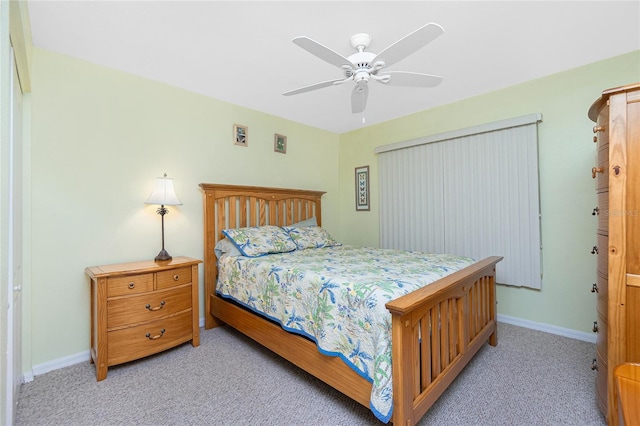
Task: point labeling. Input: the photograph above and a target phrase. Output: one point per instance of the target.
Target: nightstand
(142, 308)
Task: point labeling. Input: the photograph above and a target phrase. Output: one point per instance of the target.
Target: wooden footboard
(436, 330)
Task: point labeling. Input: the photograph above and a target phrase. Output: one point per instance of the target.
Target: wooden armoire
(617, 175)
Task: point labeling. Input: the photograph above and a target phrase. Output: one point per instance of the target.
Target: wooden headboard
(236, 206)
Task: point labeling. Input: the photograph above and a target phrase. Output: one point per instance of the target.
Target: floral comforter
(336, 296)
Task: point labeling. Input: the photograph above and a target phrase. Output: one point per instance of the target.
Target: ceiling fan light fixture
(363, 65)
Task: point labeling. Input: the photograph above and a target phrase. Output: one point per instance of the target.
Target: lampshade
(163, 193)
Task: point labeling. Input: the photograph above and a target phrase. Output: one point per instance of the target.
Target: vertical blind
(472, 192)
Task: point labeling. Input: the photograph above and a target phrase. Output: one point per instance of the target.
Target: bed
(435, 329)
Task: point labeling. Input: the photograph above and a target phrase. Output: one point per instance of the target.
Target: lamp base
(162, 256)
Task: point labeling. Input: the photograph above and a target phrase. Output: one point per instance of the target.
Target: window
(472, 192)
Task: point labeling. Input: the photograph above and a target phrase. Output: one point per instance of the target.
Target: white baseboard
(65, 361)
(84, 356)
(548, 328)
(56, 364)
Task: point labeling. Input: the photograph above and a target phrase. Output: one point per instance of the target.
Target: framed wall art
(240, 135)
(362, 188)
(280, 143)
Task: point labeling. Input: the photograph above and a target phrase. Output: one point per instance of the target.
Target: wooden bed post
(210, 263)
(404, 367)
(493, 307)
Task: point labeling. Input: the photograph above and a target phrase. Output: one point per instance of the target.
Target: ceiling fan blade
(409, 44)
(322, 52)
(313, 87)
(403, 78)
(359, 97)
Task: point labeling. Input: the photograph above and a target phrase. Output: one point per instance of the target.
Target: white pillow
(307, 222)
(226, 247)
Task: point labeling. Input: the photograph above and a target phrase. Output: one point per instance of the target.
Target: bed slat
(435, 338)
(444, 333)
(419, 355)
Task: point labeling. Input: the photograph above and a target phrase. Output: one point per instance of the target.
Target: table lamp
(164, 195)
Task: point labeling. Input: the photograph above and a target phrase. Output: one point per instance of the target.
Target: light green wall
(99, 139)
(567, 193)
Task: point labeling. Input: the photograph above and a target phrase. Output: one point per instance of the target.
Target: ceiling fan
(363, 66)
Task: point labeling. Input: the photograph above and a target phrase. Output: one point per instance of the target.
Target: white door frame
(15, 237)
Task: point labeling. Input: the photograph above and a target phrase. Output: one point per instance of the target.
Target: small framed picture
(280, 143)
(240, 135)
(362, 188)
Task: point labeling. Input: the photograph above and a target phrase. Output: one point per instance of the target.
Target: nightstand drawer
(173, 277)
(147, 307)
(135, 342)
(131, 284)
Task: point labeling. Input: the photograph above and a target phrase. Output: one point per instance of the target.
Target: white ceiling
(241, 51)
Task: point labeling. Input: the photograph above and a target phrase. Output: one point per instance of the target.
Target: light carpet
(530, 378)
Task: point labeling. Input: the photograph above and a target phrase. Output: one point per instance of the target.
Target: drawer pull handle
(594, 364)
(594, 250)
(597, 129)
(176, 277)
(595, 139)
(148, 335)
(595, 212)
(596, 170)
(132, 285)
(157, 308)
(595, 327)
(594, 288)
